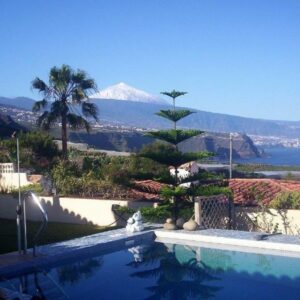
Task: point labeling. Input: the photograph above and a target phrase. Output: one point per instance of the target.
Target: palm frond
(39, 105)
(40, 85)
(46, 120)
(174, 94)
(174, 115)
(88, 84)
(78, 76)
(77, 95)
(60, 78)
(89, 110)
(59, 107)
(77, 122)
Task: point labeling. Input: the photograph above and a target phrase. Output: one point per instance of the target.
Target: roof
(186, 166)
(35, 178)
(146, 189)
(248, 191)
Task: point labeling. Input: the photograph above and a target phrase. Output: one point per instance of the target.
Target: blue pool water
(167, 271)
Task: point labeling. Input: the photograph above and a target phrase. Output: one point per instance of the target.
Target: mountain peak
(123, 91)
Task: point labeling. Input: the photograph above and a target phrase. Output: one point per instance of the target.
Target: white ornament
(135, 223)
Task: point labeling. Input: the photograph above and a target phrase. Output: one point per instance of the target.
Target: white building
(9, 179)
(186, 170)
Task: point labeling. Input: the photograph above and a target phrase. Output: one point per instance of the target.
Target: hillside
(133, 141)
(20, 102)
(142, 115)
(8, 126)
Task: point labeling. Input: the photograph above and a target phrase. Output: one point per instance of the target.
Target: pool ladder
(27, 196)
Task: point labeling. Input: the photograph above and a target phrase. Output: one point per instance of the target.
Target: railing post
(198, 211)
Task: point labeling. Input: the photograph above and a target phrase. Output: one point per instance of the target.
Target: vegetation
(66, 90)
(286, 200)
(38, 151)
(55, 232)
(35, 188)
(250, 168)
(167, 153)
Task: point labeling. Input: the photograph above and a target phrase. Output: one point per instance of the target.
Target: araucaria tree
(168, 153)
(67, 89)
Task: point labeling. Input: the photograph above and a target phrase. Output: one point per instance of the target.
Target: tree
(66, 90)
(175, 279)
(38, 151)
(167, 153)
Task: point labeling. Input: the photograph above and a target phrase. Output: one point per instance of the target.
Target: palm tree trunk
(64, 137)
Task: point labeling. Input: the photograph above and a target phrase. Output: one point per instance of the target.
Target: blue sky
(237, 57)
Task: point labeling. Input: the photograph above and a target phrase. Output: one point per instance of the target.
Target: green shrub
(35, 188)
(211, 190)
(156, 214)
(286, 200)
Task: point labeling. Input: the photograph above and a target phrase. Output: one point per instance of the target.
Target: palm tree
(66, 90)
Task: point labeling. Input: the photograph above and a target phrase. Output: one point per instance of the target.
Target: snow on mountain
(122, 91)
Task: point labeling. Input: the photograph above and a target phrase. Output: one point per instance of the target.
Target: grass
(55, 232)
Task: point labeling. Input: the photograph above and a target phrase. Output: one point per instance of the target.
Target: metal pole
(19, 208)
(24, 227)
(230, 155)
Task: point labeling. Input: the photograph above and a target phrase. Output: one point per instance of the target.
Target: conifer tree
(168, 153)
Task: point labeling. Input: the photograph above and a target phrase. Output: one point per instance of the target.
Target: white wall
(284, 221)
(183, 173)
(70, 210)
(10, 181)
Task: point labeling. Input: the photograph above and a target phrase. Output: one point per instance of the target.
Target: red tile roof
(146, 189)
(35, 178)
(248, 191)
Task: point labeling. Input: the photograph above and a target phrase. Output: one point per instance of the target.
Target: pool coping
(13, 263)
(241, 239)
(52, 254)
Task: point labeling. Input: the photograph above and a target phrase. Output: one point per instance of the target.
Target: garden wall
(71, 210)
(286, 221)
(9, 181)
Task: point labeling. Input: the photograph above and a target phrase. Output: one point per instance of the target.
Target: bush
(158, 214)
(38, 151)
(211, 190)
(286, 200)
(35, 188)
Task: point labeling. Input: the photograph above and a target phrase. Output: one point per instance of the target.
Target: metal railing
(23, 237)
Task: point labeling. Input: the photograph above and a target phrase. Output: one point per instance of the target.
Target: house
(9, 178)
(247, 192)
(186, 170)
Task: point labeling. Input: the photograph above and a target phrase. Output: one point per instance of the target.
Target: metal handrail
(55, 283)
(45, 220)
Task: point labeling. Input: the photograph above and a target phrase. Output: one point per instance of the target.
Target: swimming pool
(164, 270)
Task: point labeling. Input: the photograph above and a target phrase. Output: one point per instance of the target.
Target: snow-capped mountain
(122, 91)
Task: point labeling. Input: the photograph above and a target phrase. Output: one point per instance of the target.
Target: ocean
(278, 156)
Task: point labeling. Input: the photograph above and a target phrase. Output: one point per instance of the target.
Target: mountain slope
(142, 115)
(20, 102)
(8, 126)
(217, 143)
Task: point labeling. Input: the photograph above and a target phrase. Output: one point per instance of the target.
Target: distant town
(275, 141)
